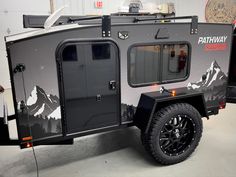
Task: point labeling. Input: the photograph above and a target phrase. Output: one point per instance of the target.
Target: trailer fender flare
(148, 106)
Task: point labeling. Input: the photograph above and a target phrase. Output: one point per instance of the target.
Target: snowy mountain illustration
(213, 83)
(40, 103)
(56, 114)
(43, 114)
(213, 77)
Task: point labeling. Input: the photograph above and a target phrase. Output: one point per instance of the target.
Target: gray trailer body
(97, 90)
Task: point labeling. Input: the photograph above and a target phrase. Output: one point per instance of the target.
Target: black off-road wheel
(174, 133)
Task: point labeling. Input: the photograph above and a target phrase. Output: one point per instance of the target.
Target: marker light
(173, 93)
(27, 138)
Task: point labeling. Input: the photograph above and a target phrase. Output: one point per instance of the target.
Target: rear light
(26, 145)
(222, 105)
(26, 142)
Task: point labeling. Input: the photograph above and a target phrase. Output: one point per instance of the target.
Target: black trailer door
(231, 92)
(90, 80)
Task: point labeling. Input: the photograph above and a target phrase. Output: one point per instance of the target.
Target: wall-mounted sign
(220, 11)
(98, 4)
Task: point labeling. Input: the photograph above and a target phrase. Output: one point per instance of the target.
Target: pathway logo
(213, 43)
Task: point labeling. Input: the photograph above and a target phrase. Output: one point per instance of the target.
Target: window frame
(161, 44)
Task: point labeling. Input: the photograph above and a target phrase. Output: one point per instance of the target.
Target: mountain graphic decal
(42, 114)
(39, 103)
(212, 84)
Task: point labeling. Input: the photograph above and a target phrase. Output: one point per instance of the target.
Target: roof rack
(36, 21)
(76, 19)
(194, 23)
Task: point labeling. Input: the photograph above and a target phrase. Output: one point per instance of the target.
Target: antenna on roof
(54, 17)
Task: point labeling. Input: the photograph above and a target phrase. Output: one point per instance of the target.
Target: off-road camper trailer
(102, 73)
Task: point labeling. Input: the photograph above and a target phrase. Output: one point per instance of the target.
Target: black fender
(149, 103)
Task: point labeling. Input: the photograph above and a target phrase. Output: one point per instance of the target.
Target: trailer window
(101, 51)
(69, 53)
(175, 62)
(164, 63)
(143, 65)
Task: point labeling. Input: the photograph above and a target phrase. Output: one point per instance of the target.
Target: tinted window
(151, 64)
(144, 62)
(175, 61)
(101, 51)
(69, 53)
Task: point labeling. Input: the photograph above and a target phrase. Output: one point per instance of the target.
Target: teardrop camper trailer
(93, 74)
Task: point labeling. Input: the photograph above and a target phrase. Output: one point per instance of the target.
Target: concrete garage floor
(120, 153)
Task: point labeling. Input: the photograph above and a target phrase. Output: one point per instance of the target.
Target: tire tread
(148, 139)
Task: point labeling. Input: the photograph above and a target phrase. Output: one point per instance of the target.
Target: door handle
(112, 85)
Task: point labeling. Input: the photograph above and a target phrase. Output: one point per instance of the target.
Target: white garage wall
(11, 12)
(190, 7)
(11, 22)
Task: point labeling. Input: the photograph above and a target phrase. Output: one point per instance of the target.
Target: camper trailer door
(90, 85)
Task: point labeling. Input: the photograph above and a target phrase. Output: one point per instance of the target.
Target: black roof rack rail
(194, 23)
(106, 23)
(72, 20)
(37, 21)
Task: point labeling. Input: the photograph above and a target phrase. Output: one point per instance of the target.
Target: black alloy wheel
(174, 133)
(177, 134)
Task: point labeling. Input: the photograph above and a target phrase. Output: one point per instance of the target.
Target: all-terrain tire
(180, 125)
